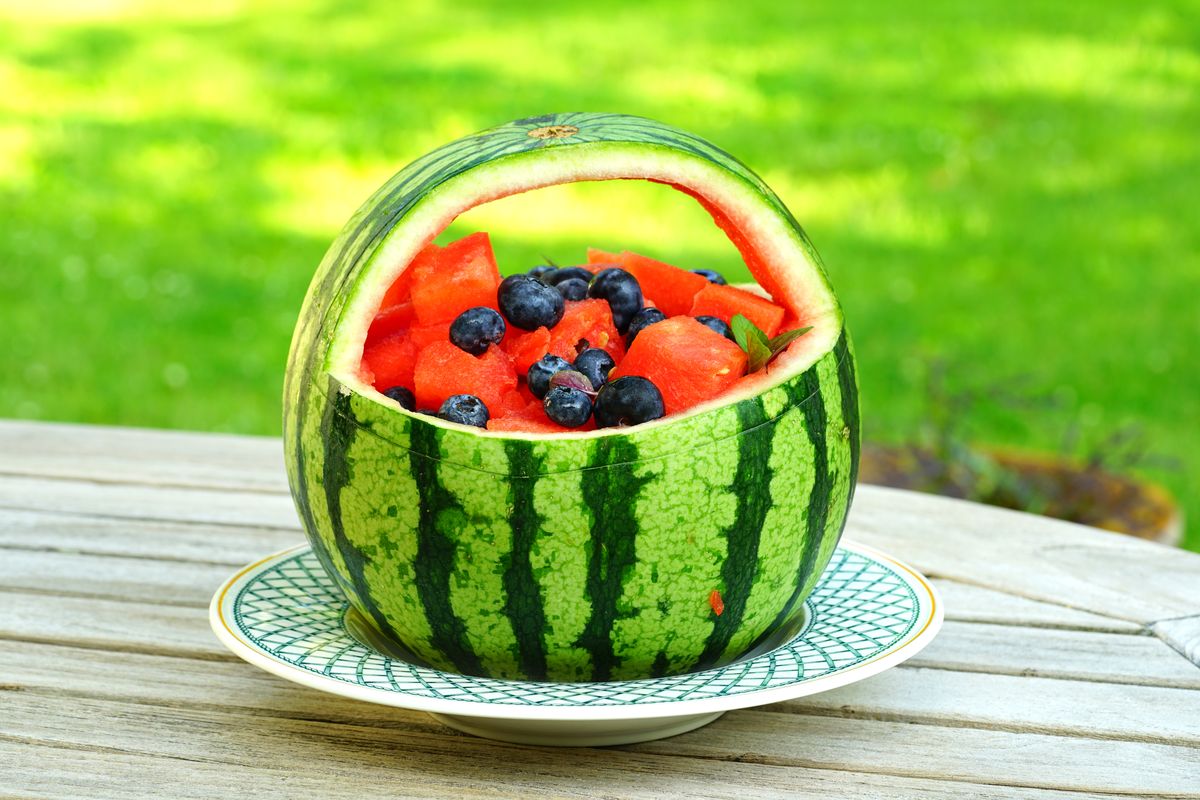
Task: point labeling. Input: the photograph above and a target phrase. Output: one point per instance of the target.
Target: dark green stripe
(848, 383)
(434, 563)
(751, 487)
(610, 491)
(523, 600)
(805, 393)
(338, 429)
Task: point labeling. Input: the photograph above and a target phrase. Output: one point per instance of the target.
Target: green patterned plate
(868, 613)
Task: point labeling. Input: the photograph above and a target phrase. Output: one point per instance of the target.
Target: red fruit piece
(463, 276)
(672, 288)
(426, 335)
(391, 320)
(724, 302)
(586, 321)
(526, 347)
(443, 370)
(391, 361)
(526, 425)
(401, 289)
(688, 362)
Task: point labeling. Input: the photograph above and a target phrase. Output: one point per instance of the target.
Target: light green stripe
(559, 560)
(483, 545)
(837, 447)
(683, 513)
(781, 547)
(379, 513)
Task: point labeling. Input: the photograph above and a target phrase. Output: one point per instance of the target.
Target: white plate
(868, 613)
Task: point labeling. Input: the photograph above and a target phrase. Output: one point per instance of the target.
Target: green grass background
(1013, 192)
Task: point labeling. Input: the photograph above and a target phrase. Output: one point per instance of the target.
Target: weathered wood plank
(161, 540)
(937, 697)
(131, 501)
(780, 740)
(984, 756)
(1183, 635)
(140, 455)
(68, 773)
(139, 624)
(1048, 653)
(967, 603)
(69, 551)
(1035, 557)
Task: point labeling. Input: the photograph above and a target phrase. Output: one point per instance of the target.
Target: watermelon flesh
(688, 362)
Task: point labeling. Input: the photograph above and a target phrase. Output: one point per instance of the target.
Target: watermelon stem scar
(577, 555)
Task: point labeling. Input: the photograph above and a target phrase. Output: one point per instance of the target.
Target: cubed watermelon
(672, 288)
(526, 347)
(401, 289)
(586, 321)
(443, 370)
(462, 276)
(688, 362)
(723, 302)
(391, 361)
(391, 320)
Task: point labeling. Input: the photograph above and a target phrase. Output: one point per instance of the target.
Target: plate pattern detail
(292, 612)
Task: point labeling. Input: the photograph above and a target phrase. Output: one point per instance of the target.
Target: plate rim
(898, 653)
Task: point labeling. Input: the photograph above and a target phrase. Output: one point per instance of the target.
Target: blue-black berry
(623, 293)
(572, 289)
(528, 303)
(629, 400)
(402, 396)
(465, 409)
(718, 325)
(542, 370)
(569, 274)
(567, 406)
(542, 272)
(476, 328)
(711, 275)
(641, 320)
(595, 364)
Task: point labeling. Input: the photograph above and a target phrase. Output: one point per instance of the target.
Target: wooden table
(1067, 666)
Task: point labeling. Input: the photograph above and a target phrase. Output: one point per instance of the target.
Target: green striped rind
(590, 558)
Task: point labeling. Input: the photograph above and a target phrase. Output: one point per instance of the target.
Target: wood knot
(553, 132)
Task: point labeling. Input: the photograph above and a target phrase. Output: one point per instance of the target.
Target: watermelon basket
(667, 547)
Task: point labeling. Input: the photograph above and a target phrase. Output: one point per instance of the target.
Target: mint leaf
(759, 349)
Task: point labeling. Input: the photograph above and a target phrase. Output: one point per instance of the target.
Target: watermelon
(523, 553)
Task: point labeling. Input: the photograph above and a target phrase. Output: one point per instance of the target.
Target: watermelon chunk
(672, 288)
(688, 362)
(526, 347)
(401, 289)
(425, 335)
(462, 276)
(391, 320)
(586, 321)
(443, 370)
(723, 302)
(391, 361)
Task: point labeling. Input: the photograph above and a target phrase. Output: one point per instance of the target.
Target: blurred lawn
(1015, 193)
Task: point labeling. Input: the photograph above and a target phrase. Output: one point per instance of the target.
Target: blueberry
(572, 289)
(542, 272)
(718, 325)
(465, 409)
(629, 400)
(595, 364)
(567, 406)
(569, 273)
(622, 292)
(528, 303)
(476, 328)
(641, 320)
(713, 277)
(402, 396)
(542, 370)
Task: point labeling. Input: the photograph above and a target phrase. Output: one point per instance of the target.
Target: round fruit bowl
(620, 553)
